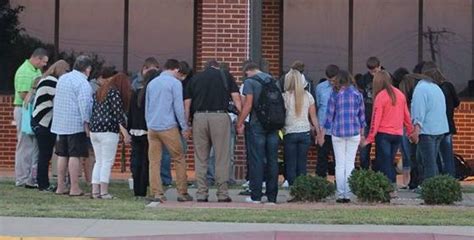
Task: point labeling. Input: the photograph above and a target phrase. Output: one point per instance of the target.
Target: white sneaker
(246, 184)
(249, 200)
(285, 184)
(270, 204)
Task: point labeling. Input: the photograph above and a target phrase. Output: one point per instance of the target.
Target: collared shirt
(164, 105)
(346, 113)
(323, 93)
(24, 78)
(428, 109)
(208, 92)
(72, 104)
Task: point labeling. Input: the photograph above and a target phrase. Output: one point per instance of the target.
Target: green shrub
(441, 189)
(370, 186)
(311, 189)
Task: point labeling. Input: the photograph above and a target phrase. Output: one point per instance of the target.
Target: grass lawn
(22, 202)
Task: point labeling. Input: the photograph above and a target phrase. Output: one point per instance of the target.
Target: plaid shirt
(346, 113)
(72, 104)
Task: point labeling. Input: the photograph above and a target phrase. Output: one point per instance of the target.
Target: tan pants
(172, 140)
(212, 129)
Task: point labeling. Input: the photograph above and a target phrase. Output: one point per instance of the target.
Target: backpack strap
(258, 79)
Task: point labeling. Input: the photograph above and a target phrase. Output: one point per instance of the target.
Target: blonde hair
(294, 84)
(57, 69)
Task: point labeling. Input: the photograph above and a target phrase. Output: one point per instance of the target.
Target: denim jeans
(263, 162)
(364, 153)
(323, 155)
(446, 155)
(427, 154)
(211, 167)
(416, 168)
(166, 177)
(386, 147)
(405, 148)
(296, 146)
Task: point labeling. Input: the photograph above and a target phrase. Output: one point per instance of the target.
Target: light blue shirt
(164, 106)
(428, 109)
(72, 104)
(323, 93)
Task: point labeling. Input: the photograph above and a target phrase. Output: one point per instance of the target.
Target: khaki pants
(26, 155)
(171, 139)
(212, 129)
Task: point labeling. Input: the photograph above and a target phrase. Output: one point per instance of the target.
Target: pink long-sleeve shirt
(388, 118)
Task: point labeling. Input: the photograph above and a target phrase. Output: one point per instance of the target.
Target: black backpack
(463, 170)
(270, 109)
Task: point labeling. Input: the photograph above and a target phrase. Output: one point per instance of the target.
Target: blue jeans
(427, 155)
(405, 148)
(263, 162)
(364, 153)
(296, 146)
(386, 147)
(446, 155)
(165, 174)
(211, 167)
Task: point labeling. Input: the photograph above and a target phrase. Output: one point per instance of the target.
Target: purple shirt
(346, 113)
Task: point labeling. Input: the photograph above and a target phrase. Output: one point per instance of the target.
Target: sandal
(95, 196)
(76, 195)
(107, 196)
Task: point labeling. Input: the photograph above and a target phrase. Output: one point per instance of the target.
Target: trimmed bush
(311, 189)
(441, 189)
(370, 186)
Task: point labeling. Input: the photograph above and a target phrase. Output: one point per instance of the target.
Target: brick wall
(222, 33)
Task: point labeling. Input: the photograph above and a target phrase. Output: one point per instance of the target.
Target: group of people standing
(159, 109)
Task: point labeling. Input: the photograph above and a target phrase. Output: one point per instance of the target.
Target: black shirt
(365, 85)
(207, 91)
(107, 115)
(136, 116)
(452, 102)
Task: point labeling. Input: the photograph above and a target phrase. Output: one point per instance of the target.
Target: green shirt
(24, 78)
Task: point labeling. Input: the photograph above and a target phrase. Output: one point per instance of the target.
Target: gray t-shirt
(254, 88)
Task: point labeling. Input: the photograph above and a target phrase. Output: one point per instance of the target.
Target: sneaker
(51, 188)
(160, 199)
(245, 192)
(202, 200)
(107, 196)
(184, 198)
(341, 200)
(417, 190)
(246, 184)
(270, 204)
(249, 200)
(347, 200)
(285, 184)
(34, 186)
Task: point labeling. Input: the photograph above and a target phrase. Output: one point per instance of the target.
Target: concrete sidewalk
(63, 227)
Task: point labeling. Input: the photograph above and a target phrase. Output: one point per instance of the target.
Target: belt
(207, 111)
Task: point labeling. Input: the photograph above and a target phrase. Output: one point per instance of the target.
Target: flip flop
(76, 195)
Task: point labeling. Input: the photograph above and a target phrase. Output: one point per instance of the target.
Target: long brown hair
(58, 68)
(150, 75)
(120, 82)
(383, 81)
(294, 84)
(343, 79)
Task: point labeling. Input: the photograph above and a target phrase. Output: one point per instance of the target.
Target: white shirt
(293, 123)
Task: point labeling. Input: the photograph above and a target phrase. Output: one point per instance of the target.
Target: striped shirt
(43, 104)
(346, 114)
(72, 104)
